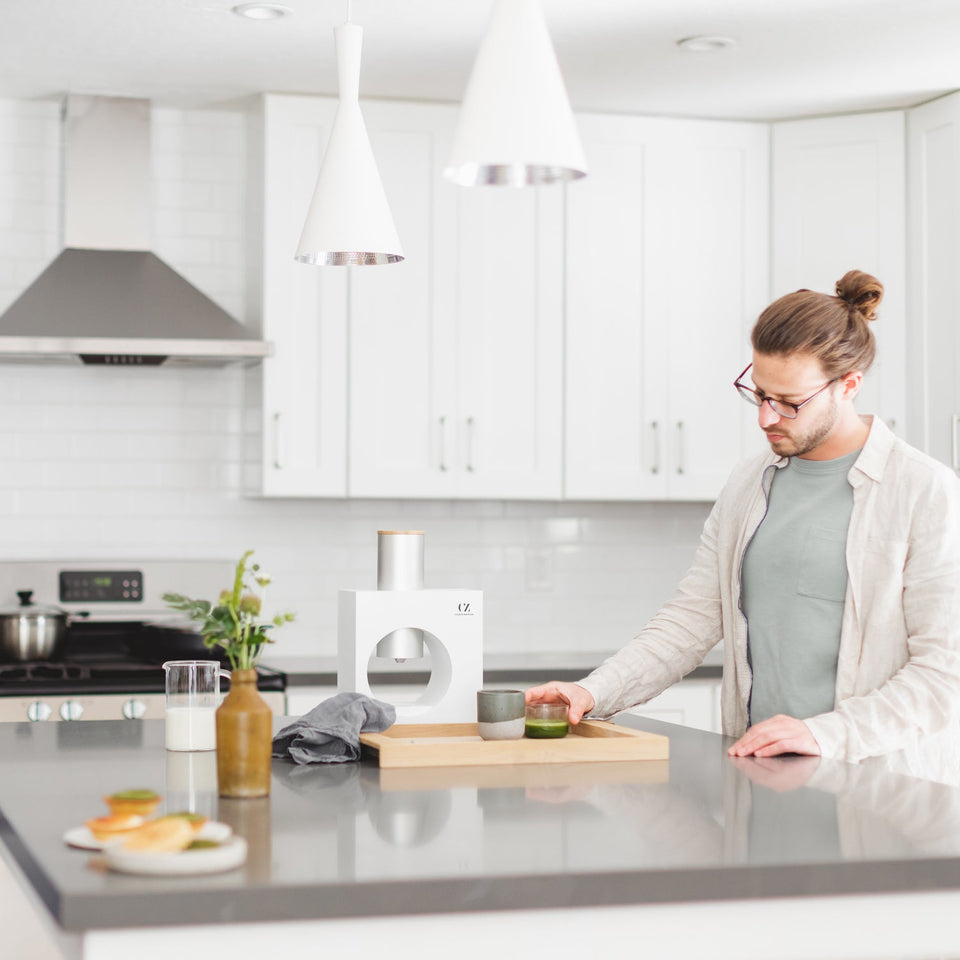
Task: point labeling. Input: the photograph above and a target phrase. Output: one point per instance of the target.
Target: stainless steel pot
(30, 632)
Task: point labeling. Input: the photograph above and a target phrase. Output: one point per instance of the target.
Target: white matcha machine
(400, 621)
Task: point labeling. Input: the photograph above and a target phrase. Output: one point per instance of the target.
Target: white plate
(83, 839)
(230, 854)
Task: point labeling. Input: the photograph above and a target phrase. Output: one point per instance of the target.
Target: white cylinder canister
(400, 567)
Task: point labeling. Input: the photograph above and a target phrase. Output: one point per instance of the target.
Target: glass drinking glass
(546, 720)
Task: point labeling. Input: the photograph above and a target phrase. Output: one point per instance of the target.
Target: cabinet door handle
(443, 444)
(655, 433)
(470, 424)
(277, 449)
(679, 446)
(954, 420)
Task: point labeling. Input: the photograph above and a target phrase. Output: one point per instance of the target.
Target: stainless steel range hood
(106, 298)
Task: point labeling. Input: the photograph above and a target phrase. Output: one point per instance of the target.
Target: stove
(120, 633)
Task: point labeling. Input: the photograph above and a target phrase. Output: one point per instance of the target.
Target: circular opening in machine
(397, 675)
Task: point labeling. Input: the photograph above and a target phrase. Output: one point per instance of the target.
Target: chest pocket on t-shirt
(823, 565)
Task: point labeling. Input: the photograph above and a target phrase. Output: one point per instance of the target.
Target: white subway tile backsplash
(205, 223)
(167, 223)
(19, 245)
(188, 476)
(20, 475)
(166, 166)
(178, 195)
(225, 196)
(229, 251)
(209, 169)
(144, 475)
(554, 530)
(47, 446)
(184, 252)
(34, 160)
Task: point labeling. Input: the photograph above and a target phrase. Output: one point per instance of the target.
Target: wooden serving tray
(459, 745)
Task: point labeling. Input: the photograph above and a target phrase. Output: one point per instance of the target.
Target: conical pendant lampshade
(349, 220)
(516, 127)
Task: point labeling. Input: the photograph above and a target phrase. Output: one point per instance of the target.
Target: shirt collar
(876, 451)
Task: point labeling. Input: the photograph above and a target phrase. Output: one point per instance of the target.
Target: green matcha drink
(546, 721)
(545, 729)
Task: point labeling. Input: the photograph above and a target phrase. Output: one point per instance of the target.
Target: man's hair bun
(862, 292)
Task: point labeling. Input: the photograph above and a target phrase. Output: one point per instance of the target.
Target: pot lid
(27, 608)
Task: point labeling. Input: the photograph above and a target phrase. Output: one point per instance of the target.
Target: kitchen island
(699, 855)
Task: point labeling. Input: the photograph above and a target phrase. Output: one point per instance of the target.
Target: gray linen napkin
(330, 732)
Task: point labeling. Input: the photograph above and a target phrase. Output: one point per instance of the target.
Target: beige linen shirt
(898, 669)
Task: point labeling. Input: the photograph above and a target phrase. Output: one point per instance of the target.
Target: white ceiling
(793, 57)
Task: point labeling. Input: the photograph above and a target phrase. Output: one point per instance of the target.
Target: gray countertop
(352, 840)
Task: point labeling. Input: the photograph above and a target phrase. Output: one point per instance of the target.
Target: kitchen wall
(115, 463)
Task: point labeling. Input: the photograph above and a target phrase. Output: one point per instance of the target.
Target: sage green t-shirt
(794, 580)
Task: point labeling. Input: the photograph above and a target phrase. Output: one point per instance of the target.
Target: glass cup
(193, 695)
(546, 721)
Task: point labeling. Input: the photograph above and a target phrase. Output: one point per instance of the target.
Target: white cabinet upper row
(440, 376)
(575, 342)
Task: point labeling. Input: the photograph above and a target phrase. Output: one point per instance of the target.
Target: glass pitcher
(193, 695)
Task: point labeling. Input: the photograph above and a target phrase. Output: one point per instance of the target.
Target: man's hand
(777, 735)
(579, 699)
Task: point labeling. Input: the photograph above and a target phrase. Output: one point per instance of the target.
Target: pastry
(166, 835)
(140, 802)
(196, 820)
(113, 826)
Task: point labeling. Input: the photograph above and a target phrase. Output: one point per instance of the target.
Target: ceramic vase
(244, 739)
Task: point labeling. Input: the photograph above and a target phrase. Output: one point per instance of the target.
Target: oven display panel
(101, 586)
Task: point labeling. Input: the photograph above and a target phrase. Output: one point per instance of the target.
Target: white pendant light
(349, 219)
(516, 127)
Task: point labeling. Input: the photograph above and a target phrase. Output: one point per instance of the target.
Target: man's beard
(796, 444)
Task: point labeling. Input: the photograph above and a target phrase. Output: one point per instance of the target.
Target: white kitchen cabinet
(838, 203)
(666, 270)
(510, 342)
(297, 400)
(456, 353)
(301, 700)
(401, 328)
(933, 358)
(691, 703)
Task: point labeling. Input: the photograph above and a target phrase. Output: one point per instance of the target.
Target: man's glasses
(782, 408)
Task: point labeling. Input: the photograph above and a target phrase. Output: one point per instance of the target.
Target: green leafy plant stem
(233, 623)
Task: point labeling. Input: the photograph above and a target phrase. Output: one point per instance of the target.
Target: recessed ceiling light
(706, 43)
(261, 11)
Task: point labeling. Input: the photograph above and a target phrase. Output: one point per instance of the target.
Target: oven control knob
(134, 709)
(38, 710)
(70, 710)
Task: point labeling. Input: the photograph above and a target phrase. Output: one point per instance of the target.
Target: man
(830, 566)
